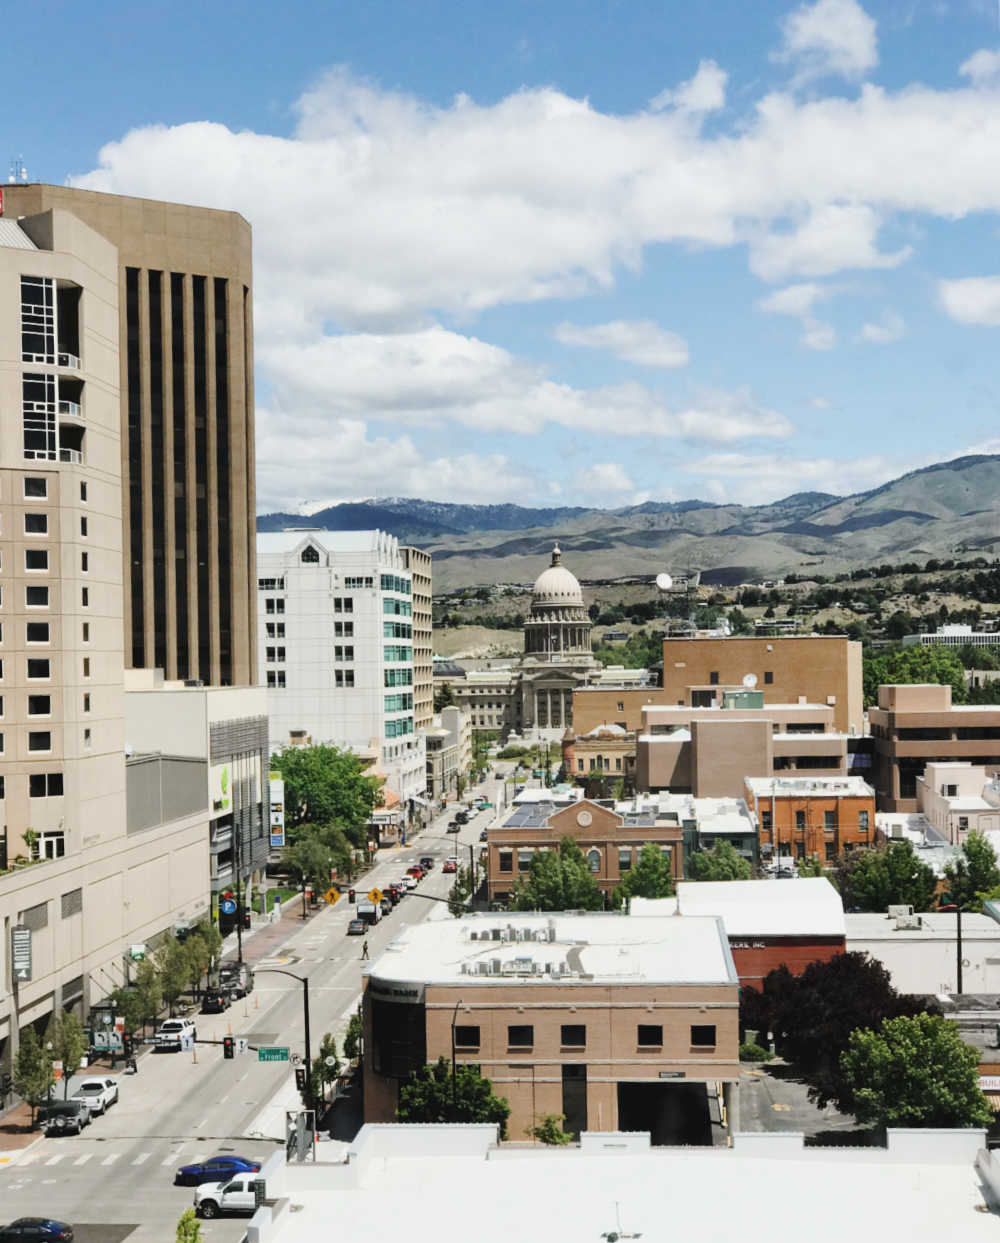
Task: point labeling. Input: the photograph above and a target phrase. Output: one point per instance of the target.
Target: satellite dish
(664, 582)
(750, 681)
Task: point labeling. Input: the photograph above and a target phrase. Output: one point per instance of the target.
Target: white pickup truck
(171, 1033)
(98, 1094)
(236, 1196)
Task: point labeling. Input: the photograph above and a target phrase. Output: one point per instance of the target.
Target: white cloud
(828, 37)
(636, 341)
(972, 299)
(818, 336)
(793, 299)
(748, 478)
(820, 403)
(705, 92)
(888, 329)
(434, 376)
(833, 237)
(982, 68)
(603, 479)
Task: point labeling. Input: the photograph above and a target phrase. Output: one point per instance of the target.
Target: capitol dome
(556, 586)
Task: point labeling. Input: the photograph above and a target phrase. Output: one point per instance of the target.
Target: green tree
(933, 664)
(352, 1038)
(127, 1004)
(974, 876)
(32, 1070)
(444, 697)
(199, 961)
(812, 1015)
(188, 1228)
(914, 1072)
(148, 992)
(559, 880)
(174, 966)
(65, 1034)
(310, 860)
(874, 879)
(650, 878)
(550, 1130)
(323, 1075)
(325, 785)
(432, 1094)
(460, 891)
(811, 865)
(722, 862)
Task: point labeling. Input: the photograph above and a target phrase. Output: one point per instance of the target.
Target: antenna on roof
(17, 170)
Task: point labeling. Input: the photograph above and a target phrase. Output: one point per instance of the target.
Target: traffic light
(246, 917)
(350, 895)
(127, 1045)
(300, 1078)
(228, 1046)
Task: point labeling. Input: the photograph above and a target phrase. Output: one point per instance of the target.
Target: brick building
(769, 923)
(811, 817)
(616, 1023)
(916, 725)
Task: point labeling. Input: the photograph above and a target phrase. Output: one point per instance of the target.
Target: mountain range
(949, 509)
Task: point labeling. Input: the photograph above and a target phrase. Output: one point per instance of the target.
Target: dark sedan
(357, 928)
(215, 1170)
(26, 1228)
(215, 1001)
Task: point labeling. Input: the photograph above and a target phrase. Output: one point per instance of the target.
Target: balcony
(68, 360)
(70, 455)
(70, 409)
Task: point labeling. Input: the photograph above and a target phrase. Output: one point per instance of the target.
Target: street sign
(20, 942)
(273, 1053)
(332, 895)
(330, 1061)
(375, 895)
(57, 1071)
(242, 1044)
(672, 1074)
(227, 906)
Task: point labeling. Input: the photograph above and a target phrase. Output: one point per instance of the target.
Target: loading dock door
(673, 1113)
(574, 1098)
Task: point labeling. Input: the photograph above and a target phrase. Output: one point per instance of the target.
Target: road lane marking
(141, 1158)
(30, 1159)
(87, 1156)
(55, 1158)
(111, 1158)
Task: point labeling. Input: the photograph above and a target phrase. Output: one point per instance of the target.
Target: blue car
(215, 1170)
(36, 1229)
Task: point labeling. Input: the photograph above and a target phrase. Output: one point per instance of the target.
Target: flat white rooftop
(803, 906)
(934, 926)
(793, 787)
(600, 947)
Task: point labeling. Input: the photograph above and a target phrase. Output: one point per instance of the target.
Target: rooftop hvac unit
(465, 968)
(495, 933)
(896, 830)
(473, 936)
(906, 922)
(896, 911)
(548, 968)
(552, 930)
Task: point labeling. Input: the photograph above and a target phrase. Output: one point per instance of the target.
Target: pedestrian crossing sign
(332, 895)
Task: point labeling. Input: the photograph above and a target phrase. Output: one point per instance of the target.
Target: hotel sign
(20, 946)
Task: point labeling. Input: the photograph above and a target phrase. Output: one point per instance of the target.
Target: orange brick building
(811, 817)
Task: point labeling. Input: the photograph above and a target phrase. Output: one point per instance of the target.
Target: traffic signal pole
(304, 981)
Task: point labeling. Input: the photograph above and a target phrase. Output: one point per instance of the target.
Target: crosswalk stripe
(111, 1158)
(84, 1159)
(143, 1156)
(172, 1157)
(55, 1158)
(30, 1159)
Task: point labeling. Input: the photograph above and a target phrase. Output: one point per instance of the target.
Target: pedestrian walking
(364, 950)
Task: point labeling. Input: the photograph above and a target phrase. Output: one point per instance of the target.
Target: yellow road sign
(375, 895)
(332, 895)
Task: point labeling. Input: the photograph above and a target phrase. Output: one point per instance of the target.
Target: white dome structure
(556, 586)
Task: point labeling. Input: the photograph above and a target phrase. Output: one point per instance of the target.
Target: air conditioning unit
(905, 923)
(495, 965)
(901, 910)
(896, 831)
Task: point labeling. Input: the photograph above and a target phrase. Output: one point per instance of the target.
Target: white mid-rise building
(335, 647)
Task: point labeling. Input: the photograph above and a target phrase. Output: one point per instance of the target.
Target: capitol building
(533, 697)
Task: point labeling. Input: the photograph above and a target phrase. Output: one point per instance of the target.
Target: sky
(586, 253)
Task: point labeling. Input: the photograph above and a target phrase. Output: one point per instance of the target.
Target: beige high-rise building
(185, 337)
(418, 563)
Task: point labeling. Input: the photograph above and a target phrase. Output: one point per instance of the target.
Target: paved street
(117, 1177)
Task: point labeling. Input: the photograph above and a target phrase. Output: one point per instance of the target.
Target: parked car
(409, 882)
(462, 817)
(357, 928)
(31, 1228)
(215, 1170)
(97, 1094)
(416, 871)
(386, 905)
(215, 1001)
(236, 978)
(170, 1034)
(393, 893)
(63, 1117)
(483, 835)
(427, 862)
(454, 827)
(235, 1196)
(450, 866)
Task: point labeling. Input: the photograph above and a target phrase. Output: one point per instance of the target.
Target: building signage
(274, 1053)
(227, 906)
(277, 797)
(748, 945)
(672, 1074)
(402, 993)
(20, 945)
(989, 1083)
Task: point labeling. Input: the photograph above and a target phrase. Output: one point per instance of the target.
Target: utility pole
(304, 981)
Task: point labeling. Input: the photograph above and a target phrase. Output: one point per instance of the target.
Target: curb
(12, 1156)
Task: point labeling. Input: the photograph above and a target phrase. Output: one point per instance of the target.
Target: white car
(171, 1034)
(236, 1196)
(97, 1094)
(410, 882)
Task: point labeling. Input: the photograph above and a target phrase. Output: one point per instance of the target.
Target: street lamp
(304, 981)
(454, 1020)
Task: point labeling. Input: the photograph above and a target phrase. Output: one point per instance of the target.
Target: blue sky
(589, 253)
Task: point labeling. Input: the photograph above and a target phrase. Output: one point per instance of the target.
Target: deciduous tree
(974, 876)
(65, 1034)
(559, 881)
(174, 967)
(32, 1070)
(650, 878)
(722, 862)
(874, 879)
(914, 1072)
(325, 785)
(433, 1094)
(148, 992)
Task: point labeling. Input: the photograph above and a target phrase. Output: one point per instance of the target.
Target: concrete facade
(419, 563)
(449, 752)
(916, 725)
(565, 1009)
(184, 337)
(958, 799)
